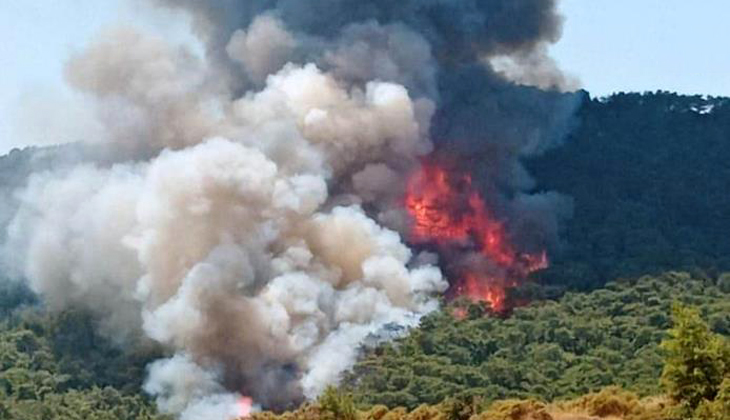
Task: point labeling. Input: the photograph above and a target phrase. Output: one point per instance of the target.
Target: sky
(647, 45)
(610, 45)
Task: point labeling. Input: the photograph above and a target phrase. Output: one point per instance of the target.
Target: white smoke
(534, 68)
(263, 49)
(148, 92)
(224, 244)
(178, 381)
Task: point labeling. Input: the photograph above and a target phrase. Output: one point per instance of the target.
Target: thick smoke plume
(251, 223)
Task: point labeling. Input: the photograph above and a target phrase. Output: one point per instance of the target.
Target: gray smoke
(249, 221)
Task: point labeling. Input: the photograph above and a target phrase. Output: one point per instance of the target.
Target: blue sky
(36, 37)
(639, 45)
(611, 45)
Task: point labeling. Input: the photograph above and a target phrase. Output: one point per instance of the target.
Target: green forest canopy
(548, 350)
(650, 177)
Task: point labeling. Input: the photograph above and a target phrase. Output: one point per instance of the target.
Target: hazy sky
(611, 45)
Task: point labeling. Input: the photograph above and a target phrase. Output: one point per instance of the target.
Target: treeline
(650, 177)
(548, 350)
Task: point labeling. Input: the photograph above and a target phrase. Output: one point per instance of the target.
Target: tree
(696, 361)
(336, 405)
(719, 409)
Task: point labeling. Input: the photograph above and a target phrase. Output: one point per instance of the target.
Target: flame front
(447, 211)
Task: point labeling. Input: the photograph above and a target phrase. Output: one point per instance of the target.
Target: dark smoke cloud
(458, 31)
(465, 29)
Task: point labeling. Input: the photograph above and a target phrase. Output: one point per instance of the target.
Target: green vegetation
(336, 406)
(548, 350)
(56, 367)
(650, 178)
(610, 403)
(717, 409)
(697, 369)
(696, 376)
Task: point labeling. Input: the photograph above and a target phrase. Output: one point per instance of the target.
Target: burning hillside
(448, 212)
(250, 224)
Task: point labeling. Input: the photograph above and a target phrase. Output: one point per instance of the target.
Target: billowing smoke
(251, 223)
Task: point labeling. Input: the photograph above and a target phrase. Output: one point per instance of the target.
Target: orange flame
(446, 210)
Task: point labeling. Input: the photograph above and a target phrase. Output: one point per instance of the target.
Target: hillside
(650, 180)
(548, 350)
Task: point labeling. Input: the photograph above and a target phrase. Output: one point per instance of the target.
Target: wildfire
(447, 211)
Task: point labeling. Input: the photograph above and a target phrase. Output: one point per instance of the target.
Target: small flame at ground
(447, 211)
(245, 406)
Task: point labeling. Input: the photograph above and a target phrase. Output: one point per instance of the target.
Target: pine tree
(696, 361)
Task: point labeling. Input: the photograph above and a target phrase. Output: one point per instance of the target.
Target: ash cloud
(245, 216)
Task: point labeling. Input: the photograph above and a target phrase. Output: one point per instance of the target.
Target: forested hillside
(650, 179)
(55, 366)
(548, 350)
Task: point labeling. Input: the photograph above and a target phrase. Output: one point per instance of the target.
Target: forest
(650, 179)
(631, 321)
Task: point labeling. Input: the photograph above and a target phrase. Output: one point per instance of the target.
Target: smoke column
(252, 223)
